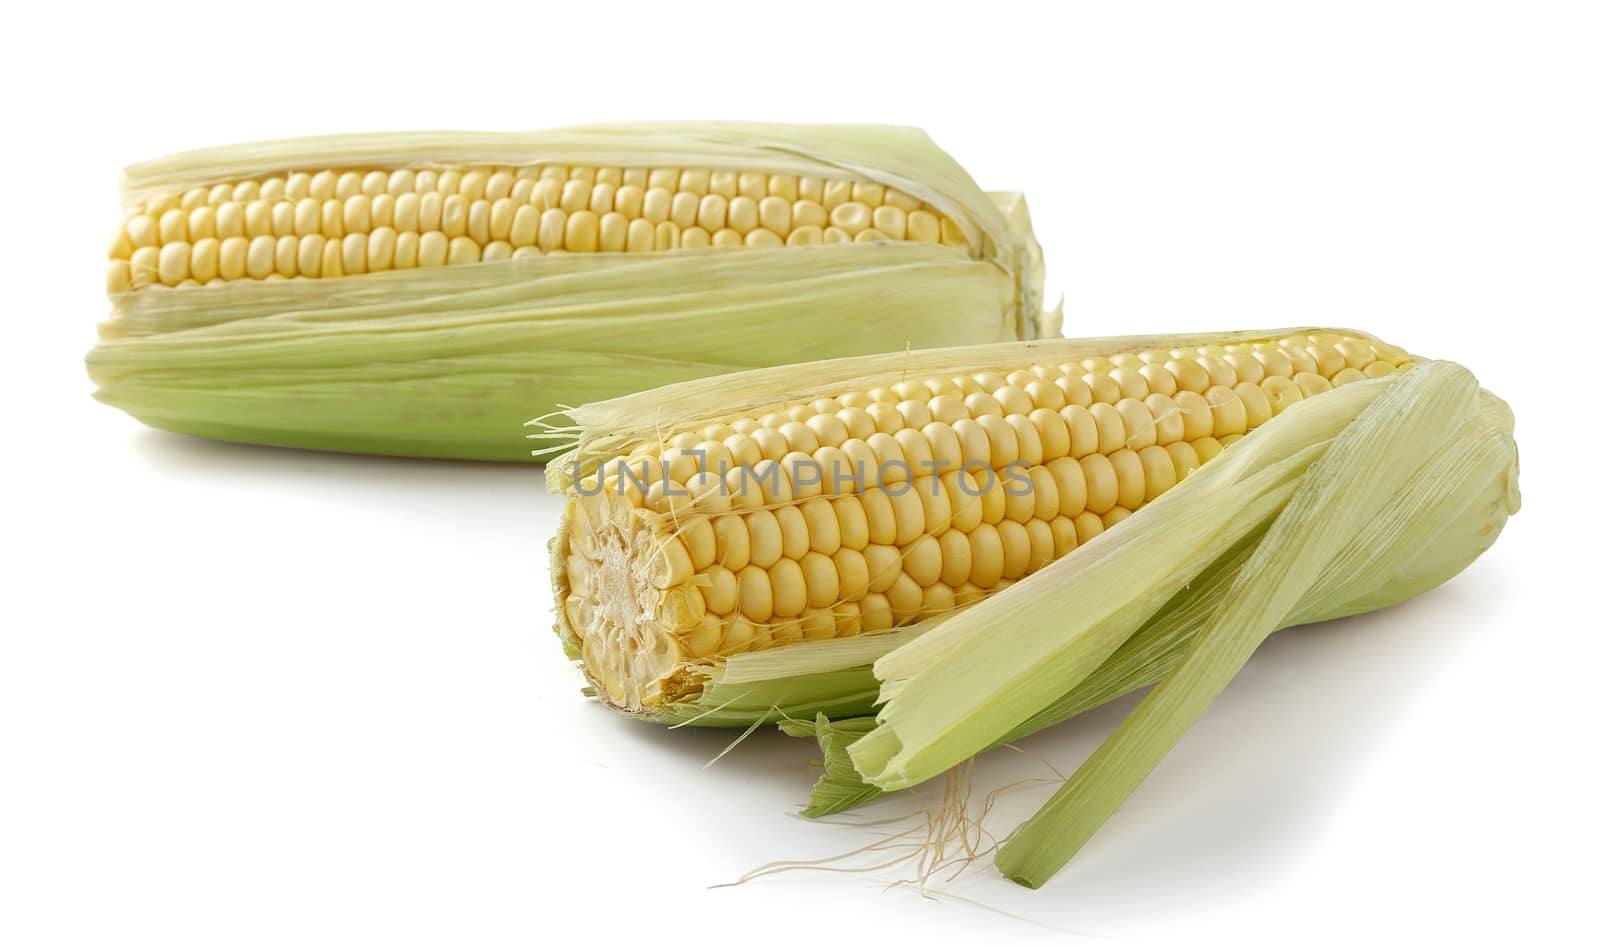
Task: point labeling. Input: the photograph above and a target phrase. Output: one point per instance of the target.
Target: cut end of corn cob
(424, 294)
(898, 490)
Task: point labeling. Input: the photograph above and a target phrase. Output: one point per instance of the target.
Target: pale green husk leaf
(1421, 414)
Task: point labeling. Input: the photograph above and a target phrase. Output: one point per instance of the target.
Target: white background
(251, 696)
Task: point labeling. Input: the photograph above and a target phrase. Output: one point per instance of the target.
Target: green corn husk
(1430, 414)
(450, 361)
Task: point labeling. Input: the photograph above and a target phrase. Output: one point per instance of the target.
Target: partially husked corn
(330, 222)
(856, 511)
(426, 293)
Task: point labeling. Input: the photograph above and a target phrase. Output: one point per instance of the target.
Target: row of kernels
(1167, 371)
(1150, 418)
(1024, 391)
(826, 525)
(469, 182)
(798, 459)
(873, 612)
(237, 257)
(791, 589)
(494, 183)
(313, 255)
(725, 183)
(454, 216)
(1072, 383)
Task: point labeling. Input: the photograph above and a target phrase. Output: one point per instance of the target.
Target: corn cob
(423, 293)
(1390, 478)
(856, 498)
